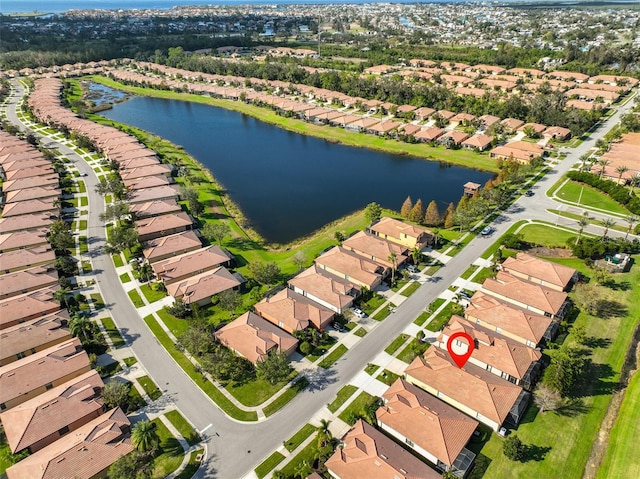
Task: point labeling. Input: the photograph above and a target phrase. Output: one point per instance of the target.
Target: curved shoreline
(327, 133)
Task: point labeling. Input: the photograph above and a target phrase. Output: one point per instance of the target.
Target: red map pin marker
(460, 359)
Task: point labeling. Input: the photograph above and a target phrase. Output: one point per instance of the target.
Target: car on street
(85, 174)
(412, 269)
(529, 193)
(358, 312)
(487, 230)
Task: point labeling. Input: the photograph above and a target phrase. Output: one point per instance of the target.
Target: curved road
(238, 447)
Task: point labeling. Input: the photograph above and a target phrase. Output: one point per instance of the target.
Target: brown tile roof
(471, 386)
(156, 193)
(428, 422)
(143, 171)
(354, 267)
(254, 337)
(24, 258)
(376, 248)
(194, 262)
(145, 182)
(547, 271)
(30, 207)
(293, 311)
(492, 348)
(333, 290)
(394, 228)
(25, 222)
(46, 366)
(455, 135)
(369, 453)
(508, 317)
(22, 239)
(489, 120)
(84, 454)
(155, 208)
(33, 171)
(73, 403)
(478, 141)
(30, 182)
(204, 285)
(49, 329)
(171, 245)
(160, 224)
(20, 282)
(512, 123)
(32, 193)
(531, 294)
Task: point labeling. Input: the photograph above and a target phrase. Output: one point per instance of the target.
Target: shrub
(513, 448)
(306, 348)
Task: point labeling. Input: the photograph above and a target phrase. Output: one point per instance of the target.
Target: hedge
(618, 193)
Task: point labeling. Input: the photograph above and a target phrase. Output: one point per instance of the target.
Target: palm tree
(634, 182)
(60, 296)
(80, 326)
(324, 435)
(416, 253)
(393, 259)
(145, 271)
(436, 236)
(603, 163)
(607, 223)
(145, 436)
(631, 221)
(582, 223)
(303, 470)
(622, 169)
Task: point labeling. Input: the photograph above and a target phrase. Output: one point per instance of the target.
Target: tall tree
(417, 212)
(299, 259)
(546, 399)
(372, 212)
(449, 220)
(603, 163)
(216, 232)
(144, 436)
(631, 220)
(566, 367)
(81, 327)
(229, 300)
(393, 259)
(621, 170)
(265, 273)
(606, 224)
(135, 465)
(121, 238)
(432, 215)
(274, 368)
(582, 224)
(407, 206)
(115, 394)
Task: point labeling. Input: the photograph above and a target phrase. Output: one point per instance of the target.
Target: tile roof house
(516, 323)
(40, 192)
(85, 454)
(558, 133)
(27, 306)
(39, 372)
(511, 125)
(22, 239)
(480, 142)
(352, 267)
(35, 221)
(402, 233)
(253, 337)
(527, 295)
(27, 280)
(164, 225)
(368, 453)
(30, 182)
(32, 336)
(172, 245)
(494, 352)
(292, 311)
(432, 428)
(42, 420)
(545, 273)
(194, 262)
(29, 207)
(376, 249)
(166, 192)
(145, 182)
(326, 289)
(473, 390)
(201, 287)
(155, 208)
(26, 258)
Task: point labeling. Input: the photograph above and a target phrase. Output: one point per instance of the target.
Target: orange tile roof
(204, 285)
(394, 228)
(471, 386)
(254, 337)
(376, 248)
(370, 454)
(83, 454)
(24, 258)
(65, 405)
(429, 423)
(36, 303)
(547, 271)
(325, 286)
(19, 282)
(294, 311)
(193, 262)
(355, 267)
(171, 245)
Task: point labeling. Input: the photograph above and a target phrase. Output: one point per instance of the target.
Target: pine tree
(432, 215)
(405, 211)
(488, 185)
(448, 216)
(417, 212)
(463, 203)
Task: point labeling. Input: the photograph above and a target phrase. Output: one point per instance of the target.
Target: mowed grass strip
(333, 356)
(396, 343)
(282, 400)
(113, 332)
(149, 387)
(299, 437)
(343, 395)
(268, 465)
(209, 389)
(185, 429)
(135, 298)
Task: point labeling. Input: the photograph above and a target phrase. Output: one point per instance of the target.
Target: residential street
(234, 448)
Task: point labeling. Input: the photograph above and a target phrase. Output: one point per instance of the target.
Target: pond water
(289, 185)
(100, 94)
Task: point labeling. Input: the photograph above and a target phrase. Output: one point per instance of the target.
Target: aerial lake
(289, 185)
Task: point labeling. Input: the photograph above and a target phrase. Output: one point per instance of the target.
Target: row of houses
(621, 161)
(47, 387)
(331, 285)
(436, 410)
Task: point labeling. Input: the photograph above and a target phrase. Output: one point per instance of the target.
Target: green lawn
(333, 356)
(299, 437)
(565, 439)
(373, 304)
(387, 377)
(97, 300)
(371, 369)
(170, 452)
(151, 294)
(184, 428)
(84, 201)
(125, 277)
(396, 343)
(117, 260)
(285, 397)
(442, 318)
(135, 298)
(591, 197)
(86, 267)
(209, 389)
(483, 274)
(149, 387)
(254, 393)
(382, 314)
(192, 467)
(623, 452)
(413, 350)
(493, 248)
(268, 464)
(343, 395)
(113, 332)
(176, 326)
(360, 332)
(82, 241)
(422, 318)
(308, 455)
(81, 186)
(469, 271)
(130, 361)
(356, 408)
(412, 288)
(546, 236)
(109, 369)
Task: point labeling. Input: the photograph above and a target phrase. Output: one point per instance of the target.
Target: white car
(358, 312)
(487, 230)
